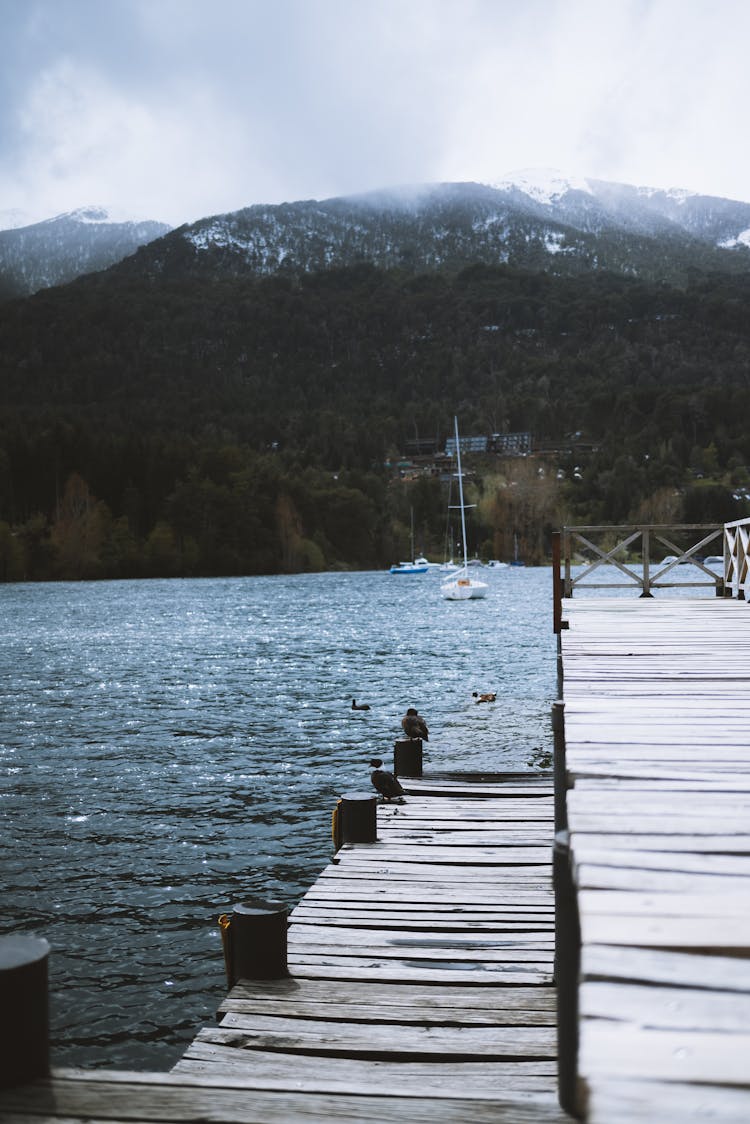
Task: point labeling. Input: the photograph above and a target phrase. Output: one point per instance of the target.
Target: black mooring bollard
(567, 969)
(358, 812)
(24, 1001)
(256, 942)
(407, 757)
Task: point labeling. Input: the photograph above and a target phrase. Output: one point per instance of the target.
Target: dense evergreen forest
(256, 426)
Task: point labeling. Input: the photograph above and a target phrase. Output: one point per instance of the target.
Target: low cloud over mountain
(540, 221)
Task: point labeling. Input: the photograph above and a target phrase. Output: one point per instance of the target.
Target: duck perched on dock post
(385, 782)
(414, 725)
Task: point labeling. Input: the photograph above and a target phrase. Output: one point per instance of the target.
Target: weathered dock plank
(250, 1030)
(291, 991)
(72, 1096)
(657, 749)
(434, 947)
(470, 1080)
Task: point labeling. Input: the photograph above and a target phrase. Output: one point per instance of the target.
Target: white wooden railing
(736, 551)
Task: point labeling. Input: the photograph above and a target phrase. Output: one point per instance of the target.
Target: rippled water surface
(168, 748)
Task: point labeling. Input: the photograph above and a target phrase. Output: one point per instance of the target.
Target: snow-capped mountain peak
(543, 185)
(97, 214)
(93, 215)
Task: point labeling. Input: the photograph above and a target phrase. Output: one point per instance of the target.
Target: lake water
(169, 748)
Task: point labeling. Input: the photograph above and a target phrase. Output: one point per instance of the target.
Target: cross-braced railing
(632, 555)
(736, 551)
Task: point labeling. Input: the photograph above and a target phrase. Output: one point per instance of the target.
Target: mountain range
(530, 220)
(540, 222)
(216, 402)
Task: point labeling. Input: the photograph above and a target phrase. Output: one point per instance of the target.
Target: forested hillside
(243, 426)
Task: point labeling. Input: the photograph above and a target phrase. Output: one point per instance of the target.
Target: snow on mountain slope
(533, 219)
(543, 185)
(62, 248)
(591, 204)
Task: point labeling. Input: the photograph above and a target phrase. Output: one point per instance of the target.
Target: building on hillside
(421, 447)
(468, 445)
(510, 444)
(501, 444)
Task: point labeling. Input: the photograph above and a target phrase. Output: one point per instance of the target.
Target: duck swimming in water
(490, 696)
(414, 725)
(359, 706)
(386, 784)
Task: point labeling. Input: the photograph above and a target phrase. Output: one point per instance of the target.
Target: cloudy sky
(176, 109)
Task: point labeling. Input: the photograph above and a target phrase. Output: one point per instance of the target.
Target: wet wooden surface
(657, 732)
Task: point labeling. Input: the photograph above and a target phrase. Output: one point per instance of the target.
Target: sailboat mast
(461, 494)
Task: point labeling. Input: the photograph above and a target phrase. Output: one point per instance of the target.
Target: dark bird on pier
(359, 706)
(414, 725)
(489, 696)
(386, 784)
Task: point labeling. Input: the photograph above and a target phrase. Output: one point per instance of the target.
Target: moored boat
(418, 565)
(415, 567)
(462, 586)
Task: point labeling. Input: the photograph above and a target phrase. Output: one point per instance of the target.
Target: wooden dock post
(559, 768)
(256, 947)
(358, 817)
(558, 584)
(567, 968)
(407, 757)
(24, 1001)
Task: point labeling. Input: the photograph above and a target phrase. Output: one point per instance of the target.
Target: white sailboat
(448, 566)
(462, 586)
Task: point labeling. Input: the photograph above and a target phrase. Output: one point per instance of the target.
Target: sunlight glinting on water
(169, 748)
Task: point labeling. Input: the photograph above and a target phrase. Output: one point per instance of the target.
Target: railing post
(646, 584)
(740, 563)
(727, 552)
(568, 584)
(736, 563)
(567, 969)
(557, 585)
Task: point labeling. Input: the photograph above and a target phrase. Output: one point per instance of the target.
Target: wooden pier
(420, 985)
(657, 751)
